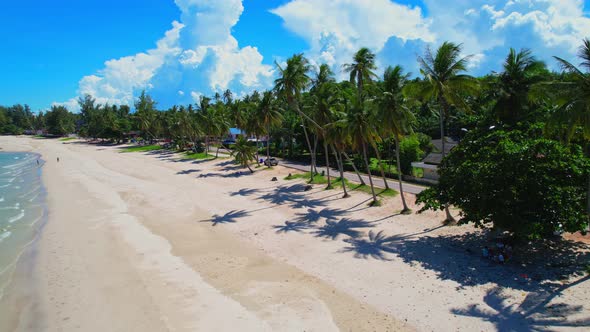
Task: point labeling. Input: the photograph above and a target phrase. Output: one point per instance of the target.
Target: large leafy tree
(394, 118)
(445, 83)
(517, 181)
(59, 121)
(571, 95)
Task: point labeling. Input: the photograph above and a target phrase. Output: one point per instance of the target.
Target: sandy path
(197, 246)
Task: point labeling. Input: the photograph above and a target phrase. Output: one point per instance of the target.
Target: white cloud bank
(199, 54)
(335, 29)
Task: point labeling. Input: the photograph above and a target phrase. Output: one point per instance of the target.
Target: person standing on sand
(58, 159)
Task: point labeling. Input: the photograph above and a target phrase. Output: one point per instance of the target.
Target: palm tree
(270, 115)
(292, 81)
(324, 96)
(361, 131)
(243, 153)
(337, 136)
(394, 117)
(521, 71)
(206, 116)
(146, 114)
(444, 83)
(361, 70)
(572, 98)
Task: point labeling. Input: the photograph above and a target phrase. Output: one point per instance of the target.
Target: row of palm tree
(357, 116)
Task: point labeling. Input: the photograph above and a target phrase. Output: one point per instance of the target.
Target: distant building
(433, 160)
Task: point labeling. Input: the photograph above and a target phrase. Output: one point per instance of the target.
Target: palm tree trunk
(257, 151)
(443, 110)
(314, 154)
(250, 169)
(588, 192)
(381, 167)
(327, 165)
(354, 167)
(206, 145)
(268, 145)
(341, 170)
(310, 149)
(399, 177)
(369, 172)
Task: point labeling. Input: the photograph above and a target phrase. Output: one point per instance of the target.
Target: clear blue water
(22, 208)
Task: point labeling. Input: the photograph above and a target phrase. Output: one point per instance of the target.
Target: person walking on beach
(58, 159)
(37, 162)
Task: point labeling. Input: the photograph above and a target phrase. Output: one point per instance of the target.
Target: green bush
(516, 181)
(410, 151)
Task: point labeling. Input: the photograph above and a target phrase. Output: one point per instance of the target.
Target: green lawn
(199, 155)
(65, 139)
(337, 183)
(143, 148)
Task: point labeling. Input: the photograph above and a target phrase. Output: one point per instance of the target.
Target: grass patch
(65, 139)
(198, 155)
(337, 183)
(143, 148)
(318, 179)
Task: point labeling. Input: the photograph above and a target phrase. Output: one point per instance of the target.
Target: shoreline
(20, 288)
(154, 243)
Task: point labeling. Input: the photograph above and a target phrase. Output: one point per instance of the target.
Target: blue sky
(54, 51)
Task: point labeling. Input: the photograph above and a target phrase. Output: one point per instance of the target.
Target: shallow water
(22, 208)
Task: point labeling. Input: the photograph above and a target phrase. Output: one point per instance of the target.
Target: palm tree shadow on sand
(333, 229)
(227, 218)
(535, 313)
(457, 258)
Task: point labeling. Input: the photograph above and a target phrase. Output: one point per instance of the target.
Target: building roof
(449, 144)
(236, 131)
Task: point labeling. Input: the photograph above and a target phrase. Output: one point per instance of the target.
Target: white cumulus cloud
(335, 29)
(199, 54)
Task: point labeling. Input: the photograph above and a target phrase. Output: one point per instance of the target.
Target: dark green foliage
(517, 181)
(410, 151)
(59, 121)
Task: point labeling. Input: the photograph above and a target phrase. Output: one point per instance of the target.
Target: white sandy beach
(148, 242)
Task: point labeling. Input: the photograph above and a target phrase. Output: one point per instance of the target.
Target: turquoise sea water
(22, 208)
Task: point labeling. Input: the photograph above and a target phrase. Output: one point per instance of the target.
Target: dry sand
(149, 242)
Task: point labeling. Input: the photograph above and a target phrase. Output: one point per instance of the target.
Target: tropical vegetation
(521, 165)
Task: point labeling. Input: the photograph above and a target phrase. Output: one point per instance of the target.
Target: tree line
(522, 164)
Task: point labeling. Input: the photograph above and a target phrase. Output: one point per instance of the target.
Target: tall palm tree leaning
(361, 69)
(572, 98)
(361, 131)
(243, 153)
(395, 118)
(324, 96)
(444, 83)
(270, 115)
(292, 81)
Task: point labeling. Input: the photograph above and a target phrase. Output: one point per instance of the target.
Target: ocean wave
(5, 235)
(17, 217)
(35, 190)
(1, 199)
